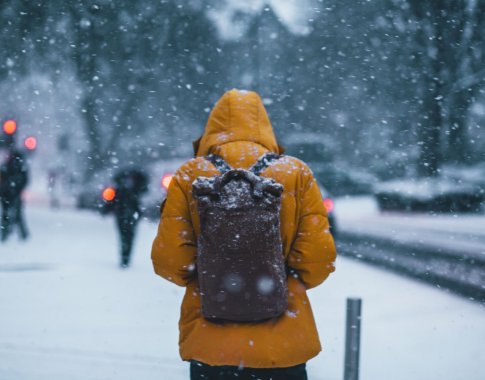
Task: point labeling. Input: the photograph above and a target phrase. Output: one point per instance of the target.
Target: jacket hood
(237, 116)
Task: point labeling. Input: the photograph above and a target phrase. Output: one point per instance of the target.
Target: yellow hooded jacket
(239, 130)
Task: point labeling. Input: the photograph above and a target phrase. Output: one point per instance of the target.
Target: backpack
(240, 261)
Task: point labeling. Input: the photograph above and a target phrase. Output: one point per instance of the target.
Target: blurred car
(90, 196)
(329, 204)
(90, 193)
(343, 180)
(430, 195)
(152, 205)
(153, 211)
(319, 152)
(152, 202)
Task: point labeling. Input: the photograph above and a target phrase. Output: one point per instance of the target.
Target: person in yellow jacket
(240, 131)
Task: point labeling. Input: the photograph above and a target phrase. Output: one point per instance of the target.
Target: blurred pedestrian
(13, 180)
(245, 230)
(130, 184)
(53, 187)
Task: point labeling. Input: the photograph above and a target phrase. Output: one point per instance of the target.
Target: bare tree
(447, 44)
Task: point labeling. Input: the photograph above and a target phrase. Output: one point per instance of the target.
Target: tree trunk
(458, 149)
(95, 157)
(85, 56)
(434, 57)
(430, 134)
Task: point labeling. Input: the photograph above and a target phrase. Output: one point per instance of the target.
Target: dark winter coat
(130, 186)
(13, 176)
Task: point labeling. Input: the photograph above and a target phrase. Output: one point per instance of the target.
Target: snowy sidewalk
(68, 312)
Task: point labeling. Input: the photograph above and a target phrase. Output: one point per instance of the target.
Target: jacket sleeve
(174, 248)
(312, 255)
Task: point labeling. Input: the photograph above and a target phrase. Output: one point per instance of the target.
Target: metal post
(352, 339)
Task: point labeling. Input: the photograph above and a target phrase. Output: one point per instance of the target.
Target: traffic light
(30, 143)
(9, 126)
(109, 194)
(7, 137)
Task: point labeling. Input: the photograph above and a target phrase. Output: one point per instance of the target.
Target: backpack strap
(263, 162)
(219, 163)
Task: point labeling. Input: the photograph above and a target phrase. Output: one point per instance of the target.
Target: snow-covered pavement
(68, 312)
(457, 232)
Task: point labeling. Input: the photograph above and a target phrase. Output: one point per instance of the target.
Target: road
(443, 250)
(68, 311)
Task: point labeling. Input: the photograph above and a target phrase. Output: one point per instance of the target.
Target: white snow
(294, 14)
(361, 215)
(68, 312)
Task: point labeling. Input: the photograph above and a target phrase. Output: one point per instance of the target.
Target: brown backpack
(240, 261)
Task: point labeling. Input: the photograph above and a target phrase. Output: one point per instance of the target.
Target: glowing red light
(328, 203)
(30, 143)
(10, 126)
(109, 194)
(166, 179)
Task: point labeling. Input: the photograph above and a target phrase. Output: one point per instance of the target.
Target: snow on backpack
(240, 261)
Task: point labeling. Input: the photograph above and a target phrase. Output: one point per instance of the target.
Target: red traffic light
(166, 179)
(109, 194)
(329, 205)
(10, 126)
(30, 143)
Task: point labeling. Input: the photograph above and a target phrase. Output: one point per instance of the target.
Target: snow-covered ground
(68, 312)
(459, 232)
